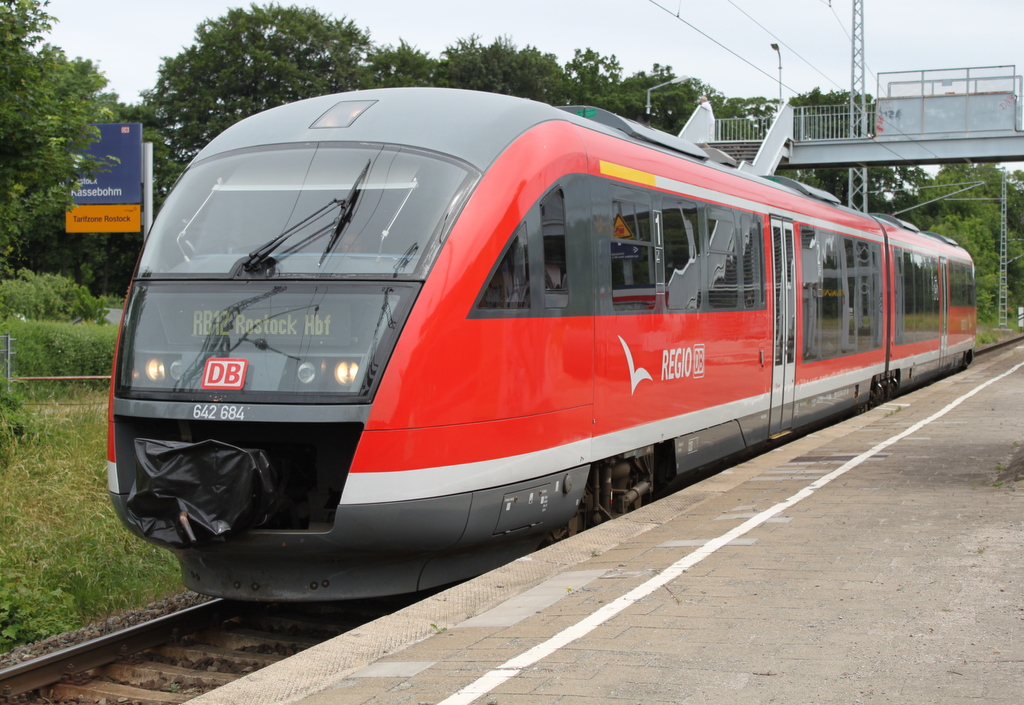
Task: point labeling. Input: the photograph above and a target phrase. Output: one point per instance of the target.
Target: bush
(47, 349)
(29, 612)
(49, 297)
(15, 423)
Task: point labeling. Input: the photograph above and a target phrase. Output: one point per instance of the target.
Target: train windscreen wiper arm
(261, 253)
(347, 208)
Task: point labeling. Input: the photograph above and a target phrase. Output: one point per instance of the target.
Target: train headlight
(345, 372)
(306, 372)
(155, 370)
(175, 370)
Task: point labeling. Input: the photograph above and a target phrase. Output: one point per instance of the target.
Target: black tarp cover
(221, 488)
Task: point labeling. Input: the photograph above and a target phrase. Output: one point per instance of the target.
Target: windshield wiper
(347, 208)
(260, 254)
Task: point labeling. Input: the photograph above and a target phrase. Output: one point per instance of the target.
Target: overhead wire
(788, 48)
(723, 46)
(704, 34)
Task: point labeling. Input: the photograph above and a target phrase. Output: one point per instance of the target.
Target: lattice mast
(858, 179)
(1002, 256)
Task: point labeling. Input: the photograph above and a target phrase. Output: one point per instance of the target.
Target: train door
(943, 307)
(784, 346)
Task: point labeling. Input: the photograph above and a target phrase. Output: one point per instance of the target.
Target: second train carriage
(381, 341)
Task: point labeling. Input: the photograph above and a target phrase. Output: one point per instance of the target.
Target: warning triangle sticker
(621, 230)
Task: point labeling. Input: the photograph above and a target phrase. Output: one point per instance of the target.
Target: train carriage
(381, 341)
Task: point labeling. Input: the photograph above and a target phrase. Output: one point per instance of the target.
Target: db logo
(224, 373)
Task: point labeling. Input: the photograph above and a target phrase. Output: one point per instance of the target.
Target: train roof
(470, 125)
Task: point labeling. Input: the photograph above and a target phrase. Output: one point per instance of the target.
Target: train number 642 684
(222, 412)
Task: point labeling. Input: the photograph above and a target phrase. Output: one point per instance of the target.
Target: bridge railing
(819, 122)
(742, 129)
(831, 122)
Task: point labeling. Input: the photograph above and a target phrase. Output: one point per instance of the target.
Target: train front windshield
(285, 342)
(283, 273)
(327, 209)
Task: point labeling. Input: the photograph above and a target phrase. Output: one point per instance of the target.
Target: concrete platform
(879, 560)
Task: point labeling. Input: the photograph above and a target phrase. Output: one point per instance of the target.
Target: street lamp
(680, 79)
(779, 52)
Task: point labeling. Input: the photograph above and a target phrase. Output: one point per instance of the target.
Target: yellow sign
(104, 219)
(621, 230)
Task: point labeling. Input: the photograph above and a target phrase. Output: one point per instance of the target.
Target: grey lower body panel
(387, 548)
(819, 407)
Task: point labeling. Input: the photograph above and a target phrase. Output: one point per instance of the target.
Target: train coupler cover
(190, 494)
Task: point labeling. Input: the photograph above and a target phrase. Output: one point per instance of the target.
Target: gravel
(114, 623)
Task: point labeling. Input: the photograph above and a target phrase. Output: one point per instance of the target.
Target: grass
(64, 393)
(65, 558)
(988, 333)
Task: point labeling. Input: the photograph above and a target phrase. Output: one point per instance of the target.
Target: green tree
(671, 106)
(974, 219)
(46, 105)
(251, 60)
(502, 68)
(594, 80)
(403, 65)
(43, 245)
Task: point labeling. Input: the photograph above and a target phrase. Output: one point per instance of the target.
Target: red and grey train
(381, 341)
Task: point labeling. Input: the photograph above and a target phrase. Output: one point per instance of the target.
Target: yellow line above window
(624, 172)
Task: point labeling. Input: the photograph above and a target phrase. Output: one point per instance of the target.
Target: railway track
(176, 657)
(993, 347)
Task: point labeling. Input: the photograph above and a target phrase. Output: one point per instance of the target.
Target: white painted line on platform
(694, 543)
(393, 669)
(532, 601)
(511, 668)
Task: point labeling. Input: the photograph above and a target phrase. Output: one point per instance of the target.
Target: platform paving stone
(901, 581)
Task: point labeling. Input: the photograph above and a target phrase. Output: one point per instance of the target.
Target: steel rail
(49, 669)
(999, 346)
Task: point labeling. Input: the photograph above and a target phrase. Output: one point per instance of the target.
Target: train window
(751, 230)
(632, 256)
(682, 257)
(832, 302)
(809, 292)
(723, 273)
(933, 325)
(920, 279)
(863, 282)
(509, 287)
(824, 294)
(911, 283)
(962, 285)
(900, 319)
(556, 276)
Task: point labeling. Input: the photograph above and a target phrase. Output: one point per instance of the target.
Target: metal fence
(744, 129)
(832, 122)
(821, 122)
(7, 357)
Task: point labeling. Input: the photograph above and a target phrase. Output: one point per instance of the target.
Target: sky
(724, 43)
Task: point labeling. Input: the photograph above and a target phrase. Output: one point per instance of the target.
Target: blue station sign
(118, 154)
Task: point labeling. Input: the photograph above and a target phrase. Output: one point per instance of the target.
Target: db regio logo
(224, 373)
(680, 363)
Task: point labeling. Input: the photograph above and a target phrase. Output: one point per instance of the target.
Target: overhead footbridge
(948, 116)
